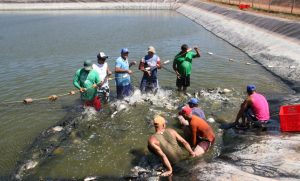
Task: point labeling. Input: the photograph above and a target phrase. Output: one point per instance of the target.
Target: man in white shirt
(103, 70)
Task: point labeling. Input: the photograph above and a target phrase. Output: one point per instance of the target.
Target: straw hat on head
(151, 49)
(159, 120)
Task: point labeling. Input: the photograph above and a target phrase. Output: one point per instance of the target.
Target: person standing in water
(122, 74)
(254, 109)
(86, 80)
(103, 70)
(149, 65)
(164, 143)
(182, 65)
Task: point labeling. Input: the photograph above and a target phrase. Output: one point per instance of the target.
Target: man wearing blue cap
(193, 103)
(122, 74)
(255, 109)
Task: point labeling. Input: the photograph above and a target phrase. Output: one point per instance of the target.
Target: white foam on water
(88, 114)
(162, 98)
(214, 94)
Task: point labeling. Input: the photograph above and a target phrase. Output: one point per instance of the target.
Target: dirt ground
(263, 10)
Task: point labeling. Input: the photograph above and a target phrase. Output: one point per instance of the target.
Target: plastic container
(290, 118)
(244, 6)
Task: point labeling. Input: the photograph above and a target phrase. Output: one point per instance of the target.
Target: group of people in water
(92, 79)
(92, 82)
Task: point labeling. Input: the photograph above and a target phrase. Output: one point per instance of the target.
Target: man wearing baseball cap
(182, 66)
(103, 70)
(149, 65)
(122, 74)
(254, 109)
(164, 143)
(86, 80)
(196, 110)
(198, 131)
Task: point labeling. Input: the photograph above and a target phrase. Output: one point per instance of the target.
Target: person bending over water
(198, 131)
(164, 143)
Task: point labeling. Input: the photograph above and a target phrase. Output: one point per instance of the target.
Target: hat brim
(105, 57)
(88, 68)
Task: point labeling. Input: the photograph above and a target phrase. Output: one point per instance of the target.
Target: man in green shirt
(86, 80)
(182, 65)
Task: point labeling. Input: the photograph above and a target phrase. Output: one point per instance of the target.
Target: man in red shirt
(199, 131)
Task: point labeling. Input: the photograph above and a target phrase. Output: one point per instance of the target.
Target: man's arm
(175, 68)
(182, 141)
(194, 136)
(197, 52)
(153, 143)
(158, 64)
(243, 108)
(76, 80)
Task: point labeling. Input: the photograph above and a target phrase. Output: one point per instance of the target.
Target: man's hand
(129, 71)
(192, 154)
(148, 73)
(94, 86)
(132, 63)
(178, 75)
(82, 89)
(166, 173)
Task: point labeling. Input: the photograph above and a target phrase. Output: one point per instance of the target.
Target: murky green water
(40, 52)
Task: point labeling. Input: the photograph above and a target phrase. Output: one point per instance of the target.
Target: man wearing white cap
(149, 65)
(103, 70)
(164, 143)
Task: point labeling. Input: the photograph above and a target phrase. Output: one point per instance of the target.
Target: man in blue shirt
(122, 74)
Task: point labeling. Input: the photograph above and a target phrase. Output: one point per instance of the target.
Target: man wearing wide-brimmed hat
(149, 65)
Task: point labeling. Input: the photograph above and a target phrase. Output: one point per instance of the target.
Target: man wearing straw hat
(149, 65)
(86, 80)
(103, 70)
(182, 66)
(164, 143)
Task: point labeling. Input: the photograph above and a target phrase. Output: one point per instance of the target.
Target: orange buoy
(27, 101)
(53, 98)
(72, 92)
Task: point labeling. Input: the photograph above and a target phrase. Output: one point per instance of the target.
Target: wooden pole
(269, 6)
(293, 6)
(252, 3)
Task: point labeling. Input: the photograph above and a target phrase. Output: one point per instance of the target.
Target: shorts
(124, 91)
(204, 143)
(148, 84)
(96, 103)
(184, 81)
(251, 117)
